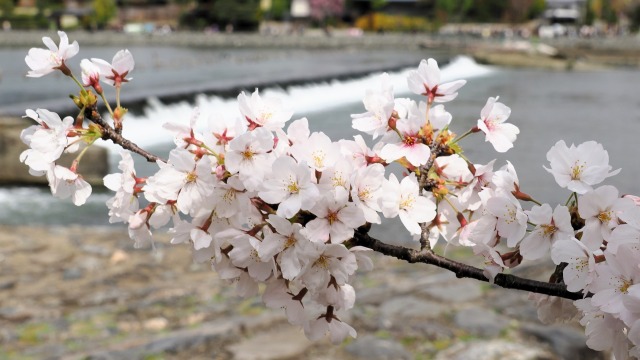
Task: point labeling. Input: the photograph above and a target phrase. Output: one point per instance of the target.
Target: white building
(565, 11)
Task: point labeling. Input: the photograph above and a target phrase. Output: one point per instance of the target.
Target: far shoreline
(569, 53)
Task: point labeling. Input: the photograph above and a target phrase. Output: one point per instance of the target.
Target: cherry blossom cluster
(266, 201)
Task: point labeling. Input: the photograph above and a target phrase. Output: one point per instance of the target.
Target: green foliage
(487, 10)
(454, 9)
(6, 6)
(104, 10)
(241, 14)
(591, 15)
(536, 9)
(608, 13)
(236, 11)
(378, 4)
(601, 10)
(279, 8)
(470, 10)
(28, 22)
(634, 16)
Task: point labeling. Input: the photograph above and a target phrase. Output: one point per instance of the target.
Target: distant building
(565, 11)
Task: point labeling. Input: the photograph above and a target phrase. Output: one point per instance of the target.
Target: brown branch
(108, 133)
(463, 270)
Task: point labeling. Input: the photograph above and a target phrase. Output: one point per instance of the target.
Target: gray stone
(94, 249)
(372, 348)
(8, 284)
(480, 321)
(515, 304)
(285, 343)
(207, 335)
(90, 263)
(403, 310)
(15, 314)
(47, 351)
(433, 330)
(373, 296)
(565, 341)
(493, 350)
(72, 273)
(103, 297)
(462, 290)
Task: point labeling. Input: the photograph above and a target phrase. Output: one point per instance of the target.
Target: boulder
(94, 165)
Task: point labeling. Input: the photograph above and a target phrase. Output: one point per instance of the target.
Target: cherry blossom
(492, 123)
(289, 184)
(550, 227)
(278, 295)
(379, 105)
(245, 255)
(336, 176)
(289, 243)
(228, 199)
(329, 261)
(318, 151)
(600, 209)
(329, 323)
(407, 143)
(426, 81)
(604, 332)
(336, 219)
(182, 179)
(47, 140)
(42, 62)
(454, 169)
(65, 183)
(124, 203)
(268, 113)
(511, 220)
(116, 72)
(357, 151)
(614, 279)
(580, 269)
(90, 75)
(366, 191)
(221, 129)
(248, 156)
(578, 168)
(482, 178)
(439, 118)
(404, 199)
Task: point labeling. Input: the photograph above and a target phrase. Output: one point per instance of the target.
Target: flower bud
(119, 113)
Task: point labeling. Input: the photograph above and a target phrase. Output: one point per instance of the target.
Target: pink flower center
(491, 125)
(410, 140)
(332, 217)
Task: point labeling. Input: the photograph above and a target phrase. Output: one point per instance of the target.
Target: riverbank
(78, 293)
(619, 51)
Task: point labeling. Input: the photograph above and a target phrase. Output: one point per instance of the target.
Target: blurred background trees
(246, 15)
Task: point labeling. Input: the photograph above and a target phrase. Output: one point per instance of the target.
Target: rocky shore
(73, 293)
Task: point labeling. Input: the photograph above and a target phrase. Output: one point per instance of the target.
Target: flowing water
(546, 105)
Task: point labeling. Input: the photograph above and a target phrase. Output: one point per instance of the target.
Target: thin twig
(463, 270)
(108, 133)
